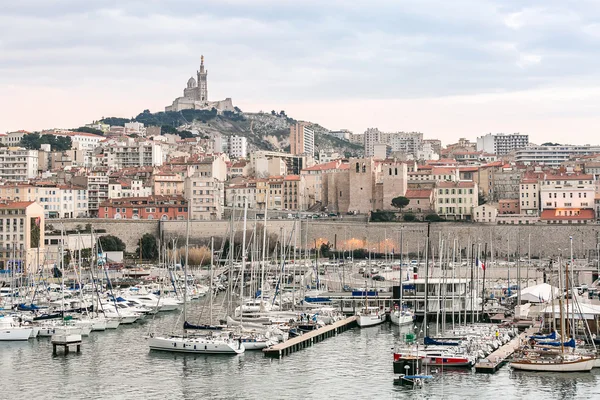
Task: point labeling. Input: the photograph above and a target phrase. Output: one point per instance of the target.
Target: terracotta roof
(585, 214)
(418, 193)
(468, 169)
(292, 178)
(324, 166)
(568, 177)
(442, 171)
(494, 164)
(17, 204)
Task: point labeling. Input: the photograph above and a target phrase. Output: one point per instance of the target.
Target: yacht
(402, 317)
(197, 344)
(11, 330)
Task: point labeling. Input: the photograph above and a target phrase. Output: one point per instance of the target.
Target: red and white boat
(437, 358)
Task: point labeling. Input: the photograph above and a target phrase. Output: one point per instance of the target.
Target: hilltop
(264, 131)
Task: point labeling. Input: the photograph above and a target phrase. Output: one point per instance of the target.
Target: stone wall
(129, 231)
(546, 240)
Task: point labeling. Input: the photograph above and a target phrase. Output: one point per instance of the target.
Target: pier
(498, 358)
(309, 338)
(65, 341)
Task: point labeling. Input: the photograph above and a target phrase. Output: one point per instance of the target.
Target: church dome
(191, 83)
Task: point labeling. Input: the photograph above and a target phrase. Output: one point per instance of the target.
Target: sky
(449, 69)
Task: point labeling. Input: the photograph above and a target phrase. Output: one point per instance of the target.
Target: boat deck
(307, 339)
(498, 358)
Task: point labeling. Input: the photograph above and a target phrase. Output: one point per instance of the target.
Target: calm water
(356, 364)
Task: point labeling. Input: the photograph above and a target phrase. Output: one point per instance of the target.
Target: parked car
(378, 278)
(362, 270)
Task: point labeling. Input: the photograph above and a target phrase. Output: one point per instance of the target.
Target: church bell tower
(202, 87)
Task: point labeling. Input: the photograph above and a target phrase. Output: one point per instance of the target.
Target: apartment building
(97, 185)
(552, 155)
(567, 198)
(22, 226)
(501, 144)
(302, 139)
(237, 146)
(456, 200)
(165, 208)
(133, 154)
(57, 201)
(294, 193)
(529, 196)
(18, 163)
(206, 197)
(167, 184)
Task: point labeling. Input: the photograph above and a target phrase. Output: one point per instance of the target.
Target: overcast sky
(449, 69)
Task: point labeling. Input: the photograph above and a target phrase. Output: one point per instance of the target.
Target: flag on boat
(480, 264)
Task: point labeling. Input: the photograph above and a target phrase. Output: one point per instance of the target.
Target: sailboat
(401, 315)
(11, 330)
(212, 343)
(561, 362)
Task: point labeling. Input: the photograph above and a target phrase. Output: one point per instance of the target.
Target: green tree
(382, 216)
(400, 202)
(149, 247)
(325, 250)
(409, 217)
(86, 129)
(434, 218)
(111, 243)
(115, 121)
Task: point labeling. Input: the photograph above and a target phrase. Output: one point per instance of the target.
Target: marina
(500, 357)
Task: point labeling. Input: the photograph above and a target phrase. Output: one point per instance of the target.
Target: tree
(434, 218)
(481, 199)
(86, 129)
(400, 202)
(115, 121)
(149, 247)
(111, 243)
(325, 249)
(382, 216)
(409, 217)
(550, 144)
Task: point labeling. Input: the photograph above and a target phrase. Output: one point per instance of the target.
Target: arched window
(364, 168)
(396, 171)
(357, 167)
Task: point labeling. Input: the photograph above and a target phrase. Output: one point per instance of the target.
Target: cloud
(105, 57)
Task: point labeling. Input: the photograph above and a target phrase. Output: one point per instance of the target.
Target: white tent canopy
(588, 311)
(538, 294)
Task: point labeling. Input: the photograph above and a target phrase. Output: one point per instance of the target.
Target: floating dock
(307, 339)
(498, 358)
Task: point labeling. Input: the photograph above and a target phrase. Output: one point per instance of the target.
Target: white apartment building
(63, 201)
(237, 146)
(137, 188)
(405, 142)
(206, 196)
(485, 213)
(552, 155)
(236, 195)
(132, 154)
(135, 127)
(567, 192)
(18, 163)
(501, 143)
(342, 134)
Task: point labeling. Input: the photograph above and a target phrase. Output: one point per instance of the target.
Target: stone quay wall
(544, 240)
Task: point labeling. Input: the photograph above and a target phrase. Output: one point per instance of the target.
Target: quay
(307, 339)
(498, 358)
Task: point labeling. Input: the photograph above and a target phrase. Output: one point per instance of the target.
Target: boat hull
(365, 321)
(582, 365)
(195, 346)
(15, 334)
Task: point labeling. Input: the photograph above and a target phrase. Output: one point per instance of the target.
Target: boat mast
(241, 280)
(212, 252)
(401, 251)
(185, 267)
(483, 284)
(560, 303)
(426, 279)
(264, 252)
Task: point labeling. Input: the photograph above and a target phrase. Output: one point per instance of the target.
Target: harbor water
(356, 364)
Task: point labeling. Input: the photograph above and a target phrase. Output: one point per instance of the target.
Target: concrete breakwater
(543, 240)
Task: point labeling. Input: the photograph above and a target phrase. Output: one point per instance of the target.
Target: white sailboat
(370, 316)
(208, 344)
(10, 330)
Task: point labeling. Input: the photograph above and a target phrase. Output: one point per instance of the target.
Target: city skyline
(447, 71)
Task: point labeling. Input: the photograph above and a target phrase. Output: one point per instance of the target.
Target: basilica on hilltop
(195, 95)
